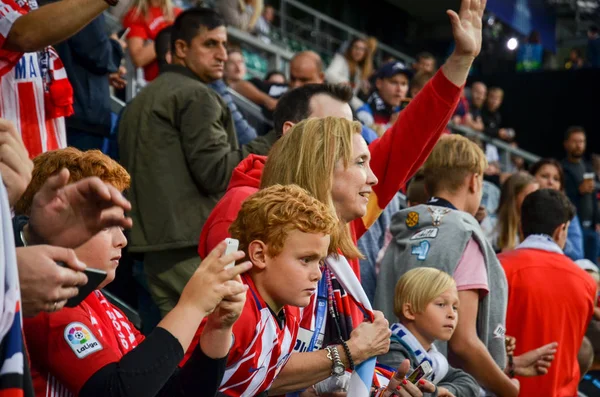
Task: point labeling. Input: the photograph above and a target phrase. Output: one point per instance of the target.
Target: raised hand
(68, 215)
(467, 27)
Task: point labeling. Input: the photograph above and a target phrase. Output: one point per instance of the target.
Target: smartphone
(124, 35)
(588, 175)
(232, 246)
(95, 278)
(421, 372)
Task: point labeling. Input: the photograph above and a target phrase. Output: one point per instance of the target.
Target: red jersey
(71, 345)
(260, 349)
(550, 299)
(23, 99)
(147, 28)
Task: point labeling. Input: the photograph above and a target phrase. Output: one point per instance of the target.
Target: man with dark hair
(580, 188)
(551, 299)
(593, 47)
(490, 114)
(425, 63)
(178, 142)
(162, 47)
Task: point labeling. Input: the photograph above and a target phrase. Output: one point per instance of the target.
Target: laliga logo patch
(81, 340)
(412, 219)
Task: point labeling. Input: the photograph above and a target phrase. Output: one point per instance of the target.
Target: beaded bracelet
(347, 351)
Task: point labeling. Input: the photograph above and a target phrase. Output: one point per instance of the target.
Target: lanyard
(321, 310)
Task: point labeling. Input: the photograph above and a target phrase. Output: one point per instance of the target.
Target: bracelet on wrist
(348, 355)
(511, 366)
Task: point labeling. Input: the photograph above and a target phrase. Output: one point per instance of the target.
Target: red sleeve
(9, 12)
(403, 149)
(76, 350)
(137, 26)
(216, 233)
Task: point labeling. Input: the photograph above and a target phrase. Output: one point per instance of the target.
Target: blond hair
(509, 215)
(453, 158)
(142, 7)
(272, 213)
(418, 287)
(306, 156)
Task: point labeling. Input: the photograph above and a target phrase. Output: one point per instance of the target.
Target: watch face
(338, 370)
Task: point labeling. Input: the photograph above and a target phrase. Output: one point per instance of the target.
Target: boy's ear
(408, 312)
(257, 252)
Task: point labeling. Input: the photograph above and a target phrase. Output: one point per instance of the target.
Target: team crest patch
(81, 340)
(430, 232)
(412, 219)
(437, 214)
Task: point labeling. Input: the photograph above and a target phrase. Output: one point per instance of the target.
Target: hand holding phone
(232, 246)
(95, 278)
(421, 372)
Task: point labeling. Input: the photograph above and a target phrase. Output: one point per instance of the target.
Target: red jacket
(395, 158)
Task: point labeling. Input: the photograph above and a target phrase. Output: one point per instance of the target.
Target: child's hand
(535, 362)
(511, 344)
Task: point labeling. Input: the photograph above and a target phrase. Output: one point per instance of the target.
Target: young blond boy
(285, 233)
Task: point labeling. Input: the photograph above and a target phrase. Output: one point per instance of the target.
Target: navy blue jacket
(89, 57)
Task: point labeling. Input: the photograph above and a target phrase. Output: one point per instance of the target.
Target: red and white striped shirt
(22, 98)
(260, 346)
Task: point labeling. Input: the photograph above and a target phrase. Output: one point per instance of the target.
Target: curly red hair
(80, 165)
(272, 213)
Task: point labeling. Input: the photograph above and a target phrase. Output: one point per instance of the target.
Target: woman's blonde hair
(418, 287)
(453, 158)
(142, 7)
(306, 156)
(508, 213)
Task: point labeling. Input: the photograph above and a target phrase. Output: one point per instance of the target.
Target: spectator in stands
(384, 104)
(426, 303)
(306, 67)
(478, 96)
(491, 118)
(590, 384)
(581, 190)
(549, 175)
(92, 360)
(25, 40)
(235, 72)
(530, 55)
(275, 77)
(507, 235)
(181, 155)
(265, 23)
(241, 14)
(92, 60)
(162, 47)
(424, 235)
(145, 19)
(418, 82)
(425, 63)
(575, 60)
(549, 300)
(286, 234)
(593, 47)
(400, 138)
(354, 68)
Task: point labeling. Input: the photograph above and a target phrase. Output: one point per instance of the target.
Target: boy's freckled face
(291, 277)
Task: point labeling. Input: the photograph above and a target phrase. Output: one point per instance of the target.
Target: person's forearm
(52, 24)
(215, 341)
(456, 69)
(305, 369)
(182, 322)
(477, 362)
(141, 53)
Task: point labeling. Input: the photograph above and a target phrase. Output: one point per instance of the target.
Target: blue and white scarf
(438, 362)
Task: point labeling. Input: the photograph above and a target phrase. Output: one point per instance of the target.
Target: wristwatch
(337, 366)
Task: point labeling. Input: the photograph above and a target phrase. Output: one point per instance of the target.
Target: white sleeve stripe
(8, 16)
